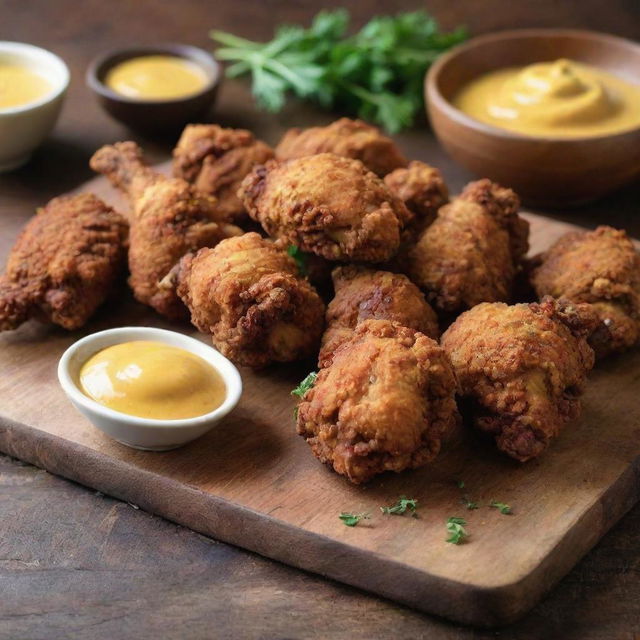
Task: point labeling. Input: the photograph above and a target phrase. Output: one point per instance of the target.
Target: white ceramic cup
(23, 128)
(145, 433)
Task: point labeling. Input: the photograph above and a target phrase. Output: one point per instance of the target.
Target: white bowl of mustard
(552, 113)
(149, 388)
(33, 83)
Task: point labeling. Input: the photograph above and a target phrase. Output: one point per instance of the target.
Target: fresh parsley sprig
(401, 507)
(352, 519)
(456, 530)
(376, 74)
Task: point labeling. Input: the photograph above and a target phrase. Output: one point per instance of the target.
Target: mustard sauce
(152, 380)
(157, 77)
(561, 99)
(19, 85)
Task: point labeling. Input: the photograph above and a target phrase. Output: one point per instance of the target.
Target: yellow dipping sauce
(561, 99)
(157, 77)
(19, 85)
(152, 380)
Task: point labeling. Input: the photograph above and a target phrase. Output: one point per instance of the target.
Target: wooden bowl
(543, 170)
(155, 115)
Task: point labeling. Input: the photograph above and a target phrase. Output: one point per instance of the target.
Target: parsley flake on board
(456, 530)
(504, 509)
(402, 506)
(352, 519)
(469, 504)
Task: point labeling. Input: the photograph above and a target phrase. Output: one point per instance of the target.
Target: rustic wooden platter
(253, 483)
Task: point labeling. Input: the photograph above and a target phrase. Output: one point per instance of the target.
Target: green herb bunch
(376, 74)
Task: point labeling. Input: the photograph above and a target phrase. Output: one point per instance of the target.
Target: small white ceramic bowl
(144, 433)
(23, 128)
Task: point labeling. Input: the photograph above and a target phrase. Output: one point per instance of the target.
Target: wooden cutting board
(253, 482)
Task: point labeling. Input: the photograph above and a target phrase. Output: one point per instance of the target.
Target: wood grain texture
(254, 483)
(145, 577)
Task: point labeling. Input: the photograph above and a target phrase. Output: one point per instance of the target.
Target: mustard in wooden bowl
(553, 99)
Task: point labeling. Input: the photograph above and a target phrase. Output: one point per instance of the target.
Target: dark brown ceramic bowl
(545, 171)
(155, 115)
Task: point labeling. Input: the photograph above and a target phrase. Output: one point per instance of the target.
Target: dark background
(74, 564)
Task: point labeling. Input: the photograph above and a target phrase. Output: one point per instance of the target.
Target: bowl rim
(119, 335)
(433, 94)
(57, 91)
(186, 51)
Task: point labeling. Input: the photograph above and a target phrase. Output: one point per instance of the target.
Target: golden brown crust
(64, 263)
(169, 219)
(384, 404)
(344, 137)
(362, 294)
(246, 293)
(601, 267)
(216, 160)
(471, 252)
(523, 368)
(422, 188)
(327, 205)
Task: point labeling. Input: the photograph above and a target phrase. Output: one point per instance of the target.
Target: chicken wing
(64, 263)
(344, 137)
(248, 295)
(215, 160)
(601, 267)
(422, 188)
(522, 369)
(169, 219)
(471, 252)
(327, 205)
(383, 404)
(362, 293)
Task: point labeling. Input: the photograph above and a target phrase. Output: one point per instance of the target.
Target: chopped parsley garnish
(352, 519)
(469, 504)
(305, 385)
(460, 484)
(301, 259)
(402, 506)
(456, 530)
(504, 509)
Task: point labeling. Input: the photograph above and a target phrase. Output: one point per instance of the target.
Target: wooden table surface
(76, 564)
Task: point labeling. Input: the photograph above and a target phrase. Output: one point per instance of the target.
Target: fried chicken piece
(522, 368)
(422, 188)
(361, 294)
(471, 252)
(383, 404)
(169, 219)
(601, 267)
(63, 264)
(247, 294)
(327, 205)
(215, 160)
(344, 137)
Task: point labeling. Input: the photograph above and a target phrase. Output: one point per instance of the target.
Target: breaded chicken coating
(383, 404)
(471, 252)
(601, 267)
(422, 188)
(344, 137)
(522, 369)
(169, 219)
(362, 294)
(215, 160)
(248, 295)
(63, 264)
(327, 205)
